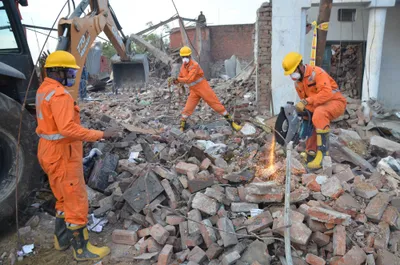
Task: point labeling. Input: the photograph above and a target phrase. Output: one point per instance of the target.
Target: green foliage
(108, 49)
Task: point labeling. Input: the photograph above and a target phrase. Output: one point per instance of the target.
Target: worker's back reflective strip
(51, 137)
(335, 90)
(38, 103)
(48, 97)
(196, 82)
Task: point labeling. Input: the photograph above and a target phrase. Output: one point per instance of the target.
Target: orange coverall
(323, 97)
(192, 75)
(60, 149)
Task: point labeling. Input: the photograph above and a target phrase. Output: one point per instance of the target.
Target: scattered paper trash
(248, 129)
(133, 156)
(96, 224)
(212, 148)
(255, 212)
(26, 250)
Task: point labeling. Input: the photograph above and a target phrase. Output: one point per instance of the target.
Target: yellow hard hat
(61, 59)
(291, 61)
(185, 51)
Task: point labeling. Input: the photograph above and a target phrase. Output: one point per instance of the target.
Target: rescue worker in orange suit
(192, 75)
(60, 154)
(319, 94)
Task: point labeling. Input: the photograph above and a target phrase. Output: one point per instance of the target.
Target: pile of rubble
(211, 196)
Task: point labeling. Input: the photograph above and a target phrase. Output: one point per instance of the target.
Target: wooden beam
(157, 25)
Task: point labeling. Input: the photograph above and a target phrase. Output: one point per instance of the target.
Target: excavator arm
(77, 34)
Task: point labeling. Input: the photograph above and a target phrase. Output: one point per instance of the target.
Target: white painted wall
(389, 78)
(288, 24)
(345, 31)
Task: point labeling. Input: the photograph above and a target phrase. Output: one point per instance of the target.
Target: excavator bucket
(128, 75)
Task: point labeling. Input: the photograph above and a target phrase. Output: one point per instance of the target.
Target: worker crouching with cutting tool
(60, 154)
(320, 95)
(192, 75)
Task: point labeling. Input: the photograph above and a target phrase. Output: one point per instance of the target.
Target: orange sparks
(272, 154)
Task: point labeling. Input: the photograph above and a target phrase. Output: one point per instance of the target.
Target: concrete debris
(213, 196)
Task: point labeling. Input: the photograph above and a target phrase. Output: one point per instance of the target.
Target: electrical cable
(20, 127)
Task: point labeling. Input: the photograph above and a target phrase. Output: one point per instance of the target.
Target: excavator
(76, 34)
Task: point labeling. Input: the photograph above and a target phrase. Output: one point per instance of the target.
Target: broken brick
(355, 256)
(219, 196)
(193, 226)
(377, 206)
(125, 237)
(386, 258)
(313, 185)
(198, 184)
(365, 190)
(153, 246)
(339, 240)
(299, 232)
(205, 164)
(320, 239)
(184, 232)
(345, 175)
(391, 216)
(228, 237)
(299, 195)
(143, 232)
(197, 255)
(314, 260)
(194, 240)
(205, 204)
(347, 204)
(259, 222)
(230, 258)
(174, 219)
(232, 194)
(382, 238)
(159, 233)
(185, 168)
(173, 197)
(208, 233)
(238, 207)
(328, 216)
(165, 255)
(214, 251)
(332, 188)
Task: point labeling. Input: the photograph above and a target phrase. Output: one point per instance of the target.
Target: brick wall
(263, 57)
(225, 41)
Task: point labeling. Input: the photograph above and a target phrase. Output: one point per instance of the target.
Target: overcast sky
(134, 16)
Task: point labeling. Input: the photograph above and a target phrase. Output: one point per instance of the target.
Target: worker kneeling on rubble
(192, 75)
(320, 95)
(60, 154)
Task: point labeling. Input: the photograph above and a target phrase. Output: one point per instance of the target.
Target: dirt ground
(45, 254)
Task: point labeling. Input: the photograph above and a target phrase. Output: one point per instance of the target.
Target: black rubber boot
(62, 239)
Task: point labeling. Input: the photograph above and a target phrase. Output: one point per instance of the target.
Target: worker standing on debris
(192, 75)
(320, 95)
(60, 154)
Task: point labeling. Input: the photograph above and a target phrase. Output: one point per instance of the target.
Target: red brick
(171, 230)
(165, 255)
(390, 216)
(184, 232)
(144, 232)
(197, 255)
(386, 258)
(314, 186)
(365, 190)
(306, 178)
(242, 194)
(153, 246)
(328, 216)
(205, 164)
(200, 183)
(361, 218)
(299, 232)
(184, 168)
(208, 232)
(159, 233)
(355, 256)
(259, 222)
(320, 239)
(214, 251)
(314, 260)
(194, 240)
(377, 207)
(332, 188)
(299, 195)
(382, 238)
(170, 193)
(339, 240)
(174, 219)
(125, 237)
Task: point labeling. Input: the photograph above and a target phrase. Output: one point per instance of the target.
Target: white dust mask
(185, 60)
(295, 76)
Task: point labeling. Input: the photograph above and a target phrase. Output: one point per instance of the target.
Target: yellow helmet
(61, 59)
(291, 61)
(185, 51)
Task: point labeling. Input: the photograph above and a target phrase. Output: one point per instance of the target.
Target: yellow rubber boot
(233, 124)
(182, 127)
(323, 149)
(82, 248)
(62, 238)
(307, 156)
